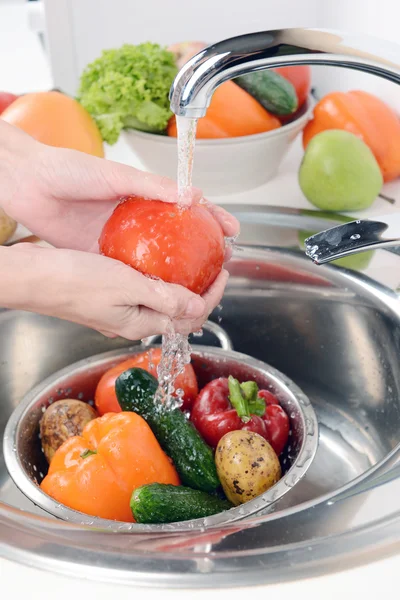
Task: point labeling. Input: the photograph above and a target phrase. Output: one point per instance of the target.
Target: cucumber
(162, 503)
(275, 93)
(180, 440)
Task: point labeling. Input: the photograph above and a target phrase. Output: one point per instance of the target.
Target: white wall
(379, 18)
(79, 30)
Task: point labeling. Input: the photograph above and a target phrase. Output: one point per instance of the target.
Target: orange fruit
(56, 120)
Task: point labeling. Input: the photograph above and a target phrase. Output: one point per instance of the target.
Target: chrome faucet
(195, 84)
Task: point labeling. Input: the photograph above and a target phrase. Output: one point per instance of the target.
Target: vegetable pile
(128, 88)
(144, 463)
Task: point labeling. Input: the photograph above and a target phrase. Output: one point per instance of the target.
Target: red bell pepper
(225, 405)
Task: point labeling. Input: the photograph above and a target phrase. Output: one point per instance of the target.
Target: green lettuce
(128, 88)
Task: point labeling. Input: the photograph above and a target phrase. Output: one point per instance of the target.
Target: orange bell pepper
(364, 115)
(233, 112)
(97, 472)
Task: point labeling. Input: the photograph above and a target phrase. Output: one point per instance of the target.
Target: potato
(63, 419)
(247, 465)
(7, 227)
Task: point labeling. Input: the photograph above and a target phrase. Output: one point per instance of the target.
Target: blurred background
(53, 40)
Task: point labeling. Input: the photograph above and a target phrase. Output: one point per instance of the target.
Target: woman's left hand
(65, 197)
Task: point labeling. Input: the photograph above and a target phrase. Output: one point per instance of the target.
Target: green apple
(339, 172)
(355, 262)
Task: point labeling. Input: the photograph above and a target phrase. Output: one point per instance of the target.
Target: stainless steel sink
(336, 333)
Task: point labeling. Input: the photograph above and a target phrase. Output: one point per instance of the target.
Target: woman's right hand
(100, 293)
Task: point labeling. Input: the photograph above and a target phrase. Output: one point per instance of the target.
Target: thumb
(85, 177)
(169, 299)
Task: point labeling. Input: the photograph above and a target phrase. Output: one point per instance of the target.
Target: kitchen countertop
(25, 69)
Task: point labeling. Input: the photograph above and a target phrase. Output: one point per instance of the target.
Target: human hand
(65, 197)
(100, 293)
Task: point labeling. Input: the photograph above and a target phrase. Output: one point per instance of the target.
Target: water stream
(175, 348)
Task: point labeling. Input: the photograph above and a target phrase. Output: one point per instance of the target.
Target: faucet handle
(353, 237)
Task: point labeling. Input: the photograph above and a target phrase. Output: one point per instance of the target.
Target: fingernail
(194, 309)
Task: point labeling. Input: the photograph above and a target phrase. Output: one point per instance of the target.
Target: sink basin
(336, 334)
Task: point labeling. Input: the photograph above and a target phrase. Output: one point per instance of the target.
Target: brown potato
(63, 419)
(7, 227)
(247, 465)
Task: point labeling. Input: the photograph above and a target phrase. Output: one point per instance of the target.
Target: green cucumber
(275, 93)
(180, 440)
(162, 503)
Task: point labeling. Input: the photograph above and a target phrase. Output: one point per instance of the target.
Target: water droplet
(355, 236)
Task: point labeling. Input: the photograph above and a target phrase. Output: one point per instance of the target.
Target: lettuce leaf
(128, 88)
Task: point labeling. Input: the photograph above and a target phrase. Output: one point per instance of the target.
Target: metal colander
(27, 466)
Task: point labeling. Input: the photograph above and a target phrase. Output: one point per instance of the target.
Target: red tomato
(213, 416)
(105, 398)
(183, 246)
(300, 78)
(5, 100)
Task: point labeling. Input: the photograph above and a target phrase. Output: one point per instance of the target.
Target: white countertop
(24, 68)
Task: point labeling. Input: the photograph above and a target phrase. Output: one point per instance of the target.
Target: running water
(175, 348)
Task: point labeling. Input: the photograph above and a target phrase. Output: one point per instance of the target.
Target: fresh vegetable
(106, 400)
(185, 247)
(193, 459)
(97, 472)
(339, 172)
(62, 420)
(275, 93)
(158, 503)
(129, 88)
(366, 116)
(56, 120)
(354, 262)
(233, 112)
(300, 77)
(5, 100)
(7, 227)
(247, 465)
(184, 51)
(225, 405)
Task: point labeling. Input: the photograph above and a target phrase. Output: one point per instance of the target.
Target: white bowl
(222, 166)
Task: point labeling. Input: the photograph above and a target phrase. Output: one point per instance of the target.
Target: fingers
(229, 224)
(228, 254)
(107, 334)
(214, 294)
(212, 299)
(72, 175)
(169, 299)
(160, 303)
(141, 322)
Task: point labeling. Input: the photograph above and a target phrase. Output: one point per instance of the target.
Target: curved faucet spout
(194, 85)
